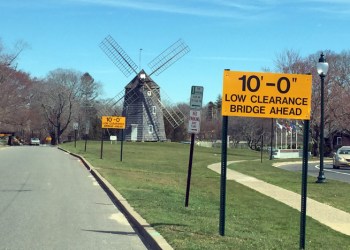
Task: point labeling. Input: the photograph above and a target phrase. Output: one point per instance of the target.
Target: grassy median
(153, 176)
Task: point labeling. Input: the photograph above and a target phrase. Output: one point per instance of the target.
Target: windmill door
(133, 132)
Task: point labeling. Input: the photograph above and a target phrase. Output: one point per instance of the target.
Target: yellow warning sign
(268, 95)
(113, 122)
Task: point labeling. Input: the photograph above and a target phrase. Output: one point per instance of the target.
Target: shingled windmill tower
(143, 103)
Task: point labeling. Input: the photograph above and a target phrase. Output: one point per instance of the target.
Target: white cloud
(227, 58)
(208, 8)
(238, 9)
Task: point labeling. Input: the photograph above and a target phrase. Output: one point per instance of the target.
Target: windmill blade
(173, 114)
(110, 106)
(118, 56)
(168, 57)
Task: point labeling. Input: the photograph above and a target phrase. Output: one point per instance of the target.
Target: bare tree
(250, 130)
(179, 133)
(15, 97)
(336, 85)
(8, 59)
(59, 98)
(88, 94)
(66, 96)
(337, 93)
(211, 122)
(14, 87)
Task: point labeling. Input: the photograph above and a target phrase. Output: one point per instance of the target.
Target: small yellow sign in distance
(266, 95)
(117, 122)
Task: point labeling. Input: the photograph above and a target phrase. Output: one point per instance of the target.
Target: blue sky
(243, 35)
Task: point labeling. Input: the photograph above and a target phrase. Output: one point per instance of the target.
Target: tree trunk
(59, 133)
(53, 138)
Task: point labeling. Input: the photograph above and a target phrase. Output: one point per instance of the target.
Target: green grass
(153, 176)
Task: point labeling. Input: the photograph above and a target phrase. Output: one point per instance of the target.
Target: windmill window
(339, 141)
(154, 110)
(150, 129)
(149, 93)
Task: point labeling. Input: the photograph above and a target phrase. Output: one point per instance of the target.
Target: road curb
(150, 237)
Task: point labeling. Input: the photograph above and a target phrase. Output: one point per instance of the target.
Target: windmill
(143, 103)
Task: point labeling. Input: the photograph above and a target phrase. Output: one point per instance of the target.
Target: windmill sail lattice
(173, 114)
(118, 56)
(111, 105)
(168, 57)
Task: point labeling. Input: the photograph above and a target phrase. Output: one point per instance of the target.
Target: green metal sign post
(189, 172)
(304, 183)
(121, 146)
(223, 175)
(101, 155)
(86, 136)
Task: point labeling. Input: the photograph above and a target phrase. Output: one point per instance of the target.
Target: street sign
(87, 127)
(117, 122)
(196, 97)
(75, 125)
(268, 95)
(194, 122)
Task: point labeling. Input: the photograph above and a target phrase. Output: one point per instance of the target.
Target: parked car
(342, 157)
(34, 141)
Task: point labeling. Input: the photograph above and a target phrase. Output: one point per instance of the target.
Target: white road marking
(94, 182)
(333, 171)
(120, 218)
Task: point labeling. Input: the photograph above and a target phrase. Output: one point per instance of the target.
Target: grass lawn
(153, 176)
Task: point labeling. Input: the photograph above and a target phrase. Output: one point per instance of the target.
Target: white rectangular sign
(194, 122)
(75, 125)
(113, 138)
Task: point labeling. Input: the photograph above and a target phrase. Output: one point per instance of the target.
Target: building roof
(138, 81)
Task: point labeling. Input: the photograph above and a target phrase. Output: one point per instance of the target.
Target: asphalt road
(342, 174)
(48, 200)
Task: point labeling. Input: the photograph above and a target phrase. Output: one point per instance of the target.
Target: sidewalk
(332, 217)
